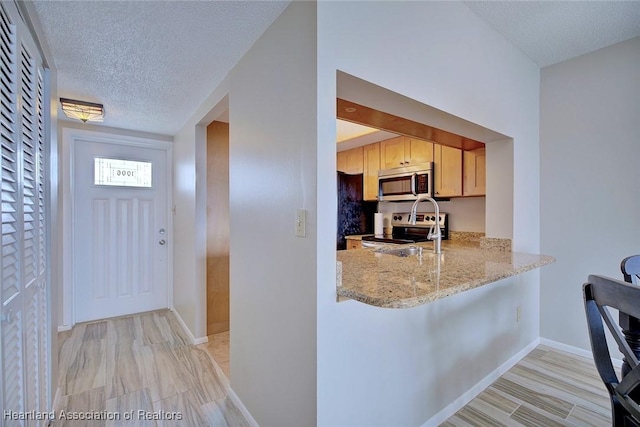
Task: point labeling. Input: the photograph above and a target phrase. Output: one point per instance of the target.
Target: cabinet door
(371, 166)
(354, 244)
(350, 161)
(392, 153)
(341, 161)
(420, 151)
(448, 171)
(474, 163)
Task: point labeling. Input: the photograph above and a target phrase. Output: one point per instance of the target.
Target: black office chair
(600, 294)
(630, 267)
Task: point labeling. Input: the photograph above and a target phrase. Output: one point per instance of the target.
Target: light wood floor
(218, 348)
(545, 388)
(141, 363)
(145, 363)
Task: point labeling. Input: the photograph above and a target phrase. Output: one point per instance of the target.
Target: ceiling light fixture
(85, 111)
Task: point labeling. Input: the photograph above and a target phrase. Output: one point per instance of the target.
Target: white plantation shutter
(43, 312)
(29, 167)
(24, 319)
(13, 366)
(31, 289)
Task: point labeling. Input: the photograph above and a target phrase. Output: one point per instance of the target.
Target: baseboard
(63, 328)
(200, 340)
(243, 410)
(470, 394)
(192, 338)
(575, 350)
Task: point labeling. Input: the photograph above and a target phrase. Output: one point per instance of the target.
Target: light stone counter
(390, 281)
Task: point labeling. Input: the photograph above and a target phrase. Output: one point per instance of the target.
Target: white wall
(272, 172)
(380, 367)
(589, 129)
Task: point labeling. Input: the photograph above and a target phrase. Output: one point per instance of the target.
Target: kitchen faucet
(434, 231)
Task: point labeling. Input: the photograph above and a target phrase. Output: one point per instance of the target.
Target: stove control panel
(423, 219)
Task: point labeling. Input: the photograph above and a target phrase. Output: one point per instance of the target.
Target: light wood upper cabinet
(392, 153)
(350, 161)
(404, 151)
(371, 155)
(456, 173)
(474, 172)
(420, 151)
(447, 171)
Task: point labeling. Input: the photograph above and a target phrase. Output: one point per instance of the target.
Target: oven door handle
(414, 178)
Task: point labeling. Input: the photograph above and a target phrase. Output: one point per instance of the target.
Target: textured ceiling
(151, 63)
(549, 32)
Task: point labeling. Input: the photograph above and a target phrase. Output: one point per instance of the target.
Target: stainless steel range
(403, 232)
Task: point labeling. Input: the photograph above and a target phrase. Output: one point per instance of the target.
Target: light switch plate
(301, 222)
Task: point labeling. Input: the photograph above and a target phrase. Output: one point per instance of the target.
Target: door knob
(162, 242)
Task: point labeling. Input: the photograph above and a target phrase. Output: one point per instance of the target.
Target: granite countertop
(390, 281)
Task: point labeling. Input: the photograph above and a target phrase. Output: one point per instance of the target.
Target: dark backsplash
(355, 216)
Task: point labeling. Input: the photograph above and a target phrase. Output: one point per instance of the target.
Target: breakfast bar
(389, 278)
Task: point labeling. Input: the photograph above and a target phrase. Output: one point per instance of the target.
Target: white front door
(119, 229)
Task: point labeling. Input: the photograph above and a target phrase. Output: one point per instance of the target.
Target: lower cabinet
(354, 244)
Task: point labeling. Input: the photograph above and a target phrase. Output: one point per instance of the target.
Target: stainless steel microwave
(405, 183)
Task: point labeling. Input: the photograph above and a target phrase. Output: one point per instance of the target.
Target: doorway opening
(381, 130)
(218, 227)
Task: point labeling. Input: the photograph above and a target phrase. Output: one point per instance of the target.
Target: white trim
(64, 328)
(170, 207)
(69, 137)
(575, 350)
(470, 394)
(243, 409)
(192, 338)
(108, 138)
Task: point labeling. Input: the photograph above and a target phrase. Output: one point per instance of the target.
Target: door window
(123, 173)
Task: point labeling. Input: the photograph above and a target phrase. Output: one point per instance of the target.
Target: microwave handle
(414, 178)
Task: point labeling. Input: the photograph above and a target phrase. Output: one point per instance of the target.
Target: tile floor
(218, 348)
(546, 388)
(145, 364)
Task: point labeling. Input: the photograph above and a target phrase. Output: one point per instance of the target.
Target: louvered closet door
(13, 363)
(33, 279)
(24, 317)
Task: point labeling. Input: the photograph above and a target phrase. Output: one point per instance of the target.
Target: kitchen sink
(401, 252)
